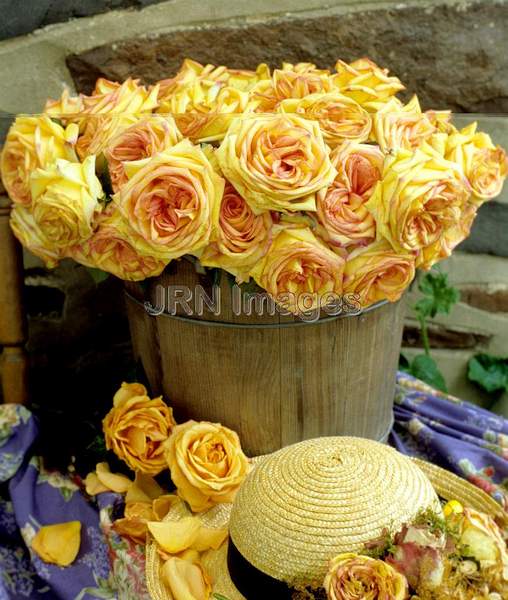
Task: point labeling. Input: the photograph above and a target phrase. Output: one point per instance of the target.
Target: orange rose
(65, 107)
(420, 200)
(484, 165)
(402, 126)
(276, 162)
(241, 237)
(136, 428)
(32, 143)
(341, 209)
(172, 200)
(207, 463)
(116, 248)
(340, 118)
(377, 273)
(299, 272)
(144, 139)
(365, 82)
(292, 81)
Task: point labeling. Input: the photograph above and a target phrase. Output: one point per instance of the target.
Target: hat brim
(447, 485)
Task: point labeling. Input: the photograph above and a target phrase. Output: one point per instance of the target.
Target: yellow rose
(402, 126)
(276, 162)
(186, 580)
(341, 212)
(484, 165)
(142, 140)
(340, 118)
(378, 272)
(136, 428)
(66, 199)
(479, 537)
(292, 81)
(116, 248)
(420, 200)
(172, 200)
(355, 577)
(31, 237)
(365, 82)
(300, 272)
(452, 237)
(204, 99)
(66, 107)
(112, 108)
(32, 143)
(240, 239)
(207, 463)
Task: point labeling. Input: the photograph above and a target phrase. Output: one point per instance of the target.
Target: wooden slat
(12, 320)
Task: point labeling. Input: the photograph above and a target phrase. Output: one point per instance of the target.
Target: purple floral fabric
(454, 434)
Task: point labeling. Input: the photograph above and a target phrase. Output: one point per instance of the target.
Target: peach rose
(299, 271)
(32, 143)
(172, 200)
(365, 82)
(116, 248)
(378, 273)
(340, 118)
(31, 237)
(66, 199)
(341, 209)
(292, 81)
(112, 108)
(136, 429)
(142, 140)
(484, 165)
(419, 201)
(356, 577)
(402, 126)
(276, 162)
(207, 463)
(241, 237)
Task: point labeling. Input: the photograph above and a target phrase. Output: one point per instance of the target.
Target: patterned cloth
(457, 435)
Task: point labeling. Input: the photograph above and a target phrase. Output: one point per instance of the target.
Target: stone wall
(453, 53)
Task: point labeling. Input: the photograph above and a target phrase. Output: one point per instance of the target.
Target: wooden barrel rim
(319, 321)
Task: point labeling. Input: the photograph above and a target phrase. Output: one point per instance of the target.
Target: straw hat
(308, 502)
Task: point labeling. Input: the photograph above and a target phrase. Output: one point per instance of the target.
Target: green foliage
(424, 367)
(97, 275)
(489, 372)
(438, 295)
(438, 298)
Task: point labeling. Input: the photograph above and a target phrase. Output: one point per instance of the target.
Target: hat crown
(306, 503)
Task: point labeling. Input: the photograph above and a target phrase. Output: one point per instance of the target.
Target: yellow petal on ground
(93, 486)
(175, 536)
(139, 510)
(187, 581)
(209, 539)
(134, 529)
(190, 555)
(113, 481)
(162, 505)
(58, 544)
(144, 489)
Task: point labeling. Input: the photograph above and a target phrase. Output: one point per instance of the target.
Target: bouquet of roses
(306, 180)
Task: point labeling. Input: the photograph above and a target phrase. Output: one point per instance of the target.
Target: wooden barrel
(274, 379)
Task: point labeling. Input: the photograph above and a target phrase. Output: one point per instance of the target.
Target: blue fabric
(454, 434)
